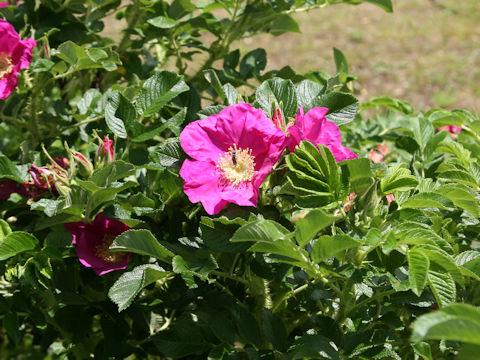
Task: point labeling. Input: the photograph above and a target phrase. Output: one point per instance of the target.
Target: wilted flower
(15, 55)
(314, 127)
(45, 178)
(92, 242)
(233, 152)
(106, 151)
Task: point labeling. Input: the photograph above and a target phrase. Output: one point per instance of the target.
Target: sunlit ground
(426, 52)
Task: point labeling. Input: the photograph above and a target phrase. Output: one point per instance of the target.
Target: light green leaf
(418, 264)
(277, 91)
(162, 22)
(327, 246)
(428, 200)
(283, 24)
(456, 322)
(442, 286)
(158, 90)
(16, 243)
(342, 107)
(398, 179)
(308, 226)
(141, 242)
(127, 287)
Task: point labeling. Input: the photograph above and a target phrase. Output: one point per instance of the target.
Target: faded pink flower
(232, 152)
(453, 129)
(378, 153)
(15, 55)
(93, 240)
(314, 127)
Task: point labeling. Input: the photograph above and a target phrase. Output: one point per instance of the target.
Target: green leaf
(283, 24)
(423, 131)
(274, 329)
(127, 287)
(277, 91)
(428, 200)
(442, 286)
(12, 327)
(468, 352)
(4, 229)
(168, 154)
(361, 175)
(162, 22)
(389, 103)
(326, 246)
(398, 179)
(141, 242)
(81, 57)
(308, 226)
(313, 347)
(8, 170)
(462, 196)
(444, 260)
(307, 92)
(423, 349)
(384, 4)
(340, 61)
(418, 264)
(158, 90)
(261, 230)
(253, 63)
(120, 114)
(102, 196)
(112, 172)
(213, 79)
(16, 243)
(456, 322)
(342, 107)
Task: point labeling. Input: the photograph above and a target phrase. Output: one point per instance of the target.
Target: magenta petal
(202, 185)
(88, 237)
(244, 195)
(342, 153)
(7, 85)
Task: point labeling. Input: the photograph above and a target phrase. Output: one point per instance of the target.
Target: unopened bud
(105, 152)
(85, 167)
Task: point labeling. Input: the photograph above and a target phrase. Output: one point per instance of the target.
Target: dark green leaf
(16, 243)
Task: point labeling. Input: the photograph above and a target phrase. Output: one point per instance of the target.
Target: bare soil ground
(426, 52)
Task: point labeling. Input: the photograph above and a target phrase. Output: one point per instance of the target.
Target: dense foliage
(162, 196)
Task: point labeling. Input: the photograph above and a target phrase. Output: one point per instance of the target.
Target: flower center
(6, 66)
(237, 165)
(102, 251)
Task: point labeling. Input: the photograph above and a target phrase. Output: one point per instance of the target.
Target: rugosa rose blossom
(106, 151)
(15, 55)
(233, 152)
(8, 3)
(453, 129)
(93, 240)
(314, 127)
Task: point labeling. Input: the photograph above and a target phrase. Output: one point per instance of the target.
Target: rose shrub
(162, 196)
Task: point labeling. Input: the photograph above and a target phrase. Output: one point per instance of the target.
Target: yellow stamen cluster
(6, 66)
(237, 165)
(102, 251)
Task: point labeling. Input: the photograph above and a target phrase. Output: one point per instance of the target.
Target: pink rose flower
(314, 127)
(15, 55)
(453, 129)
(9, 2)
(93, 240)
(232, 152)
